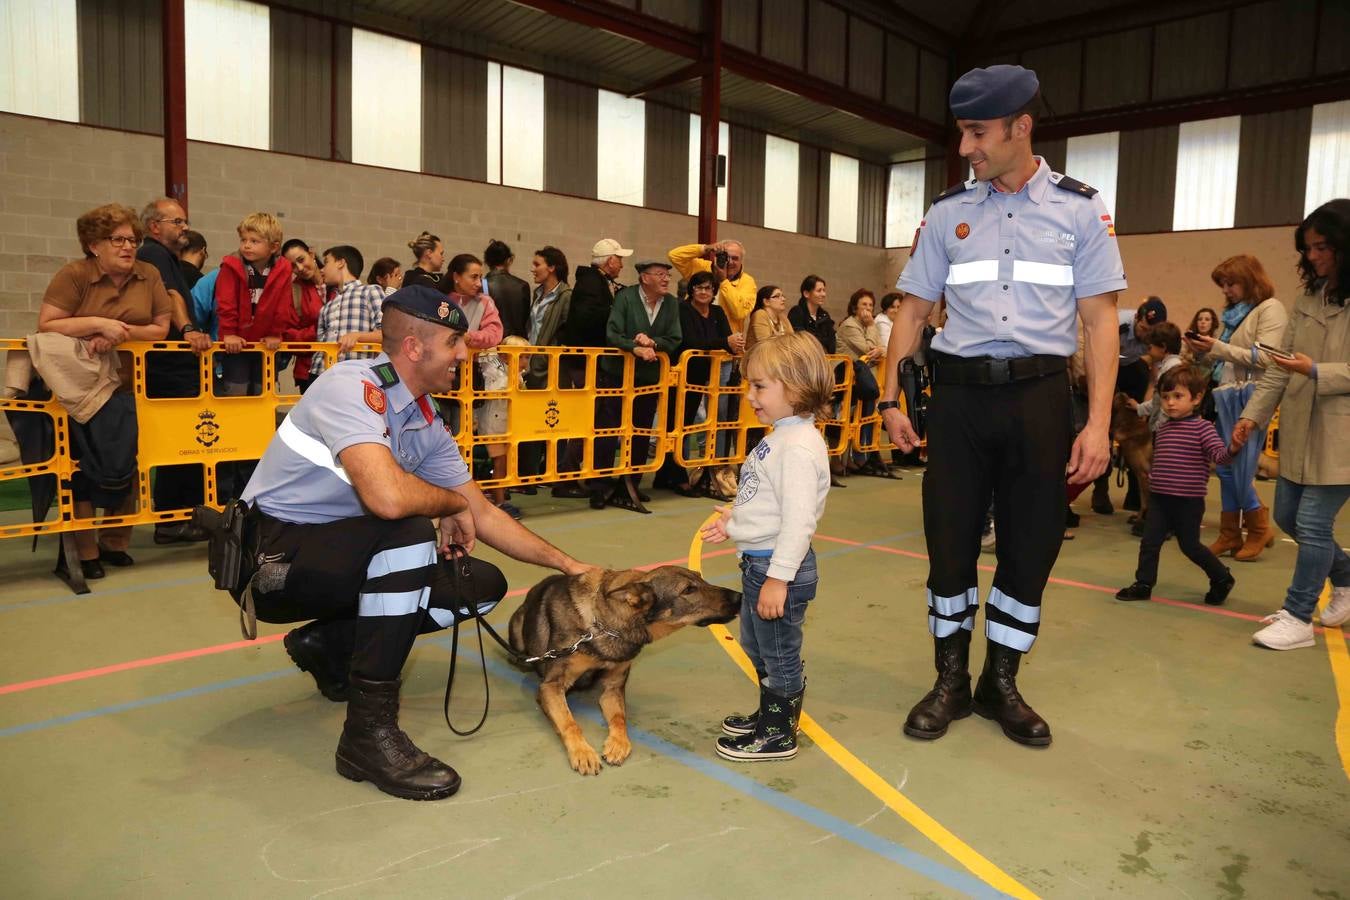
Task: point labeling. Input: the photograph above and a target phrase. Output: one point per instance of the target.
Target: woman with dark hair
(858, 340)
(511, 294)
(429, 256)
(703, 326)
(1251, 315)
(387, 273)
(769, 317)
(97, 303)
(1311, 387)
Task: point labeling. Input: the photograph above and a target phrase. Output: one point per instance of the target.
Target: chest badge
(962, 231)
(374, 397)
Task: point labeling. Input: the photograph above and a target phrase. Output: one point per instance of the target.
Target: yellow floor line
(1340, 673)
(929, 827)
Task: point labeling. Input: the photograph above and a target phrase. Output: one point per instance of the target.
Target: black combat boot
(997, 698)
(775, 734)
(373, 748)
(313, 649)
(950, 697)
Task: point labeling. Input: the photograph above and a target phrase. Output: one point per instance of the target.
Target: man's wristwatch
(887, 404)
(188, 328)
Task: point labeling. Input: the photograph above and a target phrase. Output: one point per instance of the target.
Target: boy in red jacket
(253, 301)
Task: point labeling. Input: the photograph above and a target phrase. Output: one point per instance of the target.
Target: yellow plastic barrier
(1272, 448)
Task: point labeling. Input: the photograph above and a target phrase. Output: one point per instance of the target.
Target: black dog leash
(458, 559)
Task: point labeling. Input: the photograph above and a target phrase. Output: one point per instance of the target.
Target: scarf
(1232, 318)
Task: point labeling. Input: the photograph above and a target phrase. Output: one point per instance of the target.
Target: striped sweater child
(1182, 452)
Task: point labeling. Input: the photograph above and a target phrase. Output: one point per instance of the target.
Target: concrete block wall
(51, 172)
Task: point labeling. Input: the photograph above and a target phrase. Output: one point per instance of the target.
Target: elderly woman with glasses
(102, 301)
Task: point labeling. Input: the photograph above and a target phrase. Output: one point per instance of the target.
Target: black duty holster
(232, 551)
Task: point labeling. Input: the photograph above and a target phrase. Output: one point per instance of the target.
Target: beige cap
(609, 247)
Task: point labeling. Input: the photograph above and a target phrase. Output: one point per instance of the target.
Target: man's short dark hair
(292, 244)
(1193, 378)
(1166, 335)
(194, 242)
(497, 254)
(356, 264)
(1035, 108)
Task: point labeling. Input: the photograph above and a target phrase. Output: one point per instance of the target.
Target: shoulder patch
(954, 190)
(1064, 182)
(374, 397)
(385, 374)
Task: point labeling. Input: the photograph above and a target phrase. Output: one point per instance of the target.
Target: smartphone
(1273, 351)
(1192, 334)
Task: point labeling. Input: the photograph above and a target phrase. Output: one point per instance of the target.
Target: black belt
(988, 370)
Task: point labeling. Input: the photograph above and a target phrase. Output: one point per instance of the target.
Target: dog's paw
(617, 749)
(584, 759)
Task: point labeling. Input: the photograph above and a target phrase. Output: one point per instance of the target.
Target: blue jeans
(1307, 512)
(775, 645)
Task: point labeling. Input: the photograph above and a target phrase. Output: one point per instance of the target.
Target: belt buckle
(1000, 372)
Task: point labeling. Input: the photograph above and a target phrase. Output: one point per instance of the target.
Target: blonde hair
(265, 225)
(798, 361)
(423, 244)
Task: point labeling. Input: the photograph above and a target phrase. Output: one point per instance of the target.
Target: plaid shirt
(355, 308)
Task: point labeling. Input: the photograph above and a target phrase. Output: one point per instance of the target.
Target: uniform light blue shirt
(300, 478)
(1013, 266)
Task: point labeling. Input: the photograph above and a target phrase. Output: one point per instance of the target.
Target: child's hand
(772, 599)
(715, 532)
(271, 343)
(233, 343)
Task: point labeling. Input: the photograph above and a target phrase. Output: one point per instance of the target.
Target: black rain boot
(373, 748)
(737, 724)
(313, 650)
(775, 734)
(950, 697)
(996, 697)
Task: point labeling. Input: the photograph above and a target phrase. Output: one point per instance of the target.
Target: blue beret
(425, 302)
(992, 93)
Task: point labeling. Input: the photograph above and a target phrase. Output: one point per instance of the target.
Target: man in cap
(645, 321)
(593, 290)
(344, 499)
(1018, 252)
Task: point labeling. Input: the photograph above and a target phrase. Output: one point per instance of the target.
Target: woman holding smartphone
(1310, 383)
(1251, 314)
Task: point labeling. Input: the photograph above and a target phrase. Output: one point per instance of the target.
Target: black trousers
(1009, 443)
(1181, 516)
(175, 374)
(373, 584)
(609, 414)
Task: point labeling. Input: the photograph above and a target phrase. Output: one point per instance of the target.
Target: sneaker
(1136, 591)
(1337, 610)
(1284, 631)
(1219, 590)
(510, 509)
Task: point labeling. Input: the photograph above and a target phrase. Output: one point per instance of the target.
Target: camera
(720, 259)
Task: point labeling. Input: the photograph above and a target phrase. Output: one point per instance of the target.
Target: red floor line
(1212, 610)
(20, 686)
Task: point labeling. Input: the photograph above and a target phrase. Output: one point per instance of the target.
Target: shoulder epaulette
(386, 374)
(955, 190)
(1074, 185)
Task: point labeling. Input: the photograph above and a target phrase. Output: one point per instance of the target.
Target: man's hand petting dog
(715, 532)
(772, 599)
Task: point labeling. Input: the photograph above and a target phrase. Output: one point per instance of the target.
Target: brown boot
(1259, 534)
(1230, 534)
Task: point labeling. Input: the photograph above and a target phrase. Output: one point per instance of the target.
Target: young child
(782, 495)
(1183, 448)
(354, 314)
(1164, 355)
(253, 301)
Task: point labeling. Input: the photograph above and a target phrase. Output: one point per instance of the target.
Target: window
(386, 101)
(723, 149)
(780, 183)
(1328, 155)
(229, 84)
(39, 68)
(905, 202)
(843, 221)
(1094, 159)
(1207, 161)
(515, 127)
(621, 145)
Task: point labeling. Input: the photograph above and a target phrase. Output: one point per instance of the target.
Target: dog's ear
(639, 595)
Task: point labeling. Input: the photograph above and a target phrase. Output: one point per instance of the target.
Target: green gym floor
(145, 751)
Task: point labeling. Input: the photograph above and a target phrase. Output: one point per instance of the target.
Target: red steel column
(710, 115)
(175, 103)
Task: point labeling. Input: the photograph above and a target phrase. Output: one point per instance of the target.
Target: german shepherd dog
(1130, 431)
(623, 611)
